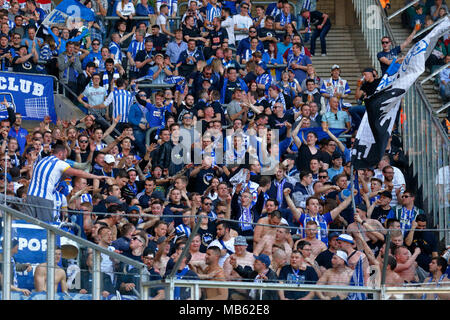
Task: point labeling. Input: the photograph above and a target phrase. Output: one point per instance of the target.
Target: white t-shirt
(228, 24)
(127, 10)
(161, 20)
(242, 22)
(95, 96)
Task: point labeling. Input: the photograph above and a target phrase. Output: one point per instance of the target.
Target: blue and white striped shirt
(114, 48)
(121, 100)
(60, 202)
(212, 12)
(171, 4)
(46, 175)
(133, 49)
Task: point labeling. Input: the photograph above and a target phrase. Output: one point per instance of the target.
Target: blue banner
(32, 249)
(30, 95)
(62, 296)
(69, 13)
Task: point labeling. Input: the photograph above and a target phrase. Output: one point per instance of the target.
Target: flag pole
(352, 181)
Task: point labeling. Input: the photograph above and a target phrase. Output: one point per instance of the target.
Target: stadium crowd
(241, 135)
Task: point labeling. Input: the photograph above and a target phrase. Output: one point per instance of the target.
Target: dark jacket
(247, 273)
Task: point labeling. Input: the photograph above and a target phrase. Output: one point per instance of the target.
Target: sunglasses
(83, 141)
(136, 238)
(404, 197)
(384, 42)
(323, 177)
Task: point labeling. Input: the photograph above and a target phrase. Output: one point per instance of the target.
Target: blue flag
(357, 280)
(69, 12)
(320, 133)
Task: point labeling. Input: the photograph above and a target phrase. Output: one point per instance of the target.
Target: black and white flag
(382, 107)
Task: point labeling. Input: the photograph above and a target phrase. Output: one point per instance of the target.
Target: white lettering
(34, 245)
(12, 86)
(25, 86)
(3, 83)
(22, 243)
(38, 89)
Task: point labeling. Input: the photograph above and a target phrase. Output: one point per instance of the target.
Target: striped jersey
(121, 100)
(171, 4)
(59, 203)
(133, 49)
(212, 12)
(46, 175)
(114, 48)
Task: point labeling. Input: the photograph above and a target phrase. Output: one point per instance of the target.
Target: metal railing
(369, 15)
(425, 142)
(396, 13)
(10, 214)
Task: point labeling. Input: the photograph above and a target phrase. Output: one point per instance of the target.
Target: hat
(341, 254)
(347, 238)
(133, 208)
(368, 70)
(159, 54)
(333, 235)
(149, 252)
(109, 158)
(386, 194)
(264, 259)
(335, 66)
(113, 199)
(362, 207)
(131, 169)
(240, 241)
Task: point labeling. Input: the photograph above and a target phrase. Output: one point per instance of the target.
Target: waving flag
(382, 107)
(357, 280)
(69, 13)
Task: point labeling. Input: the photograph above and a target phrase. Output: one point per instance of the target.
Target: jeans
(444, 91)
(357, 113)
(322, 34)
(139, 136)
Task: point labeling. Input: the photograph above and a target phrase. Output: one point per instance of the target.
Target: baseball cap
(369, 70)
(240, 241)
(133, 208)
(335, 66)
(109, 158)
(113, 199)
(159, 54)
(333, 235)
(347, 238)
(362, 207)
(386, 194)
(8, 176)
(158, 195)
(264, 259)
(341, 254)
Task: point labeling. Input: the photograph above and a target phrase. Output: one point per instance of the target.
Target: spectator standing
(335, 87)
(322, 24)
(242, 22)
(388, 54)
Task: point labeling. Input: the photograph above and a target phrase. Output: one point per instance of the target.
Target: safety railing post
(7, 240)
(51, 246)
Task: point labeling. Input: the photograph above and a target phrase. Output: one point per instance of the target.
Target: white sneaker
(324, 54)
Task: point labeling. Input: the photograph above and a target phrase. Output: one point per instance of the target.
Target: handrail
(444, 107)
(9, 214)
(431, 76)
(418, 34)
(396, 13)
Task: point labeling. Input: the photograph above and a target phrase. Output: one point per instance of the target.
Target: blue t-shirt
(391, 54)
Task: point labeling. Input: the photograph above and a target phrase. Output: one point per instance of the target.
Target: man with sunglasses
(244, 42)
(388, 54)
(407, 212)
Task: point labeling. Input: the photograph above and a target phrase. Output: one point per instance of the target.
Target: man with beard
(223, 241)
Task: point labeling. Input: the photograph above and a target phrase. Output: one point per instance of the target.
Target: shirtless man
(346, 243)
(194, 250)
(273, 218)
(406, 263)
(213, 272)
(339, 274)
(40, 275)
(317, 245)
(437, 267)
(372, 230)
(243, 258)
(269, 242)
(279, 260)
(392, 277)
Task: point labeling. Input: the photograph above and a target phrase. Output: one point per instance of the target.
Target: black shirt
(380, 214)
(370, 87)
(265, 32)
(316, 18)
(299, 277)
(28, 66)
(217, 37)
(141, 56)
(324, 259)
(159, 41)
(192, 33)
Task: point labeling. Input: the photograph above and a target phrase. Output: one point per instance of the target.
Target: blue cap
(264, 259)
(8, 176)
(133, 208)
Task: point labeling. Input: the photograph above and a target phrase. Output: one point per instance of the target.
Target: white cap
(335, 66)
(347, 238)
(109, 158)
(341, 254)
